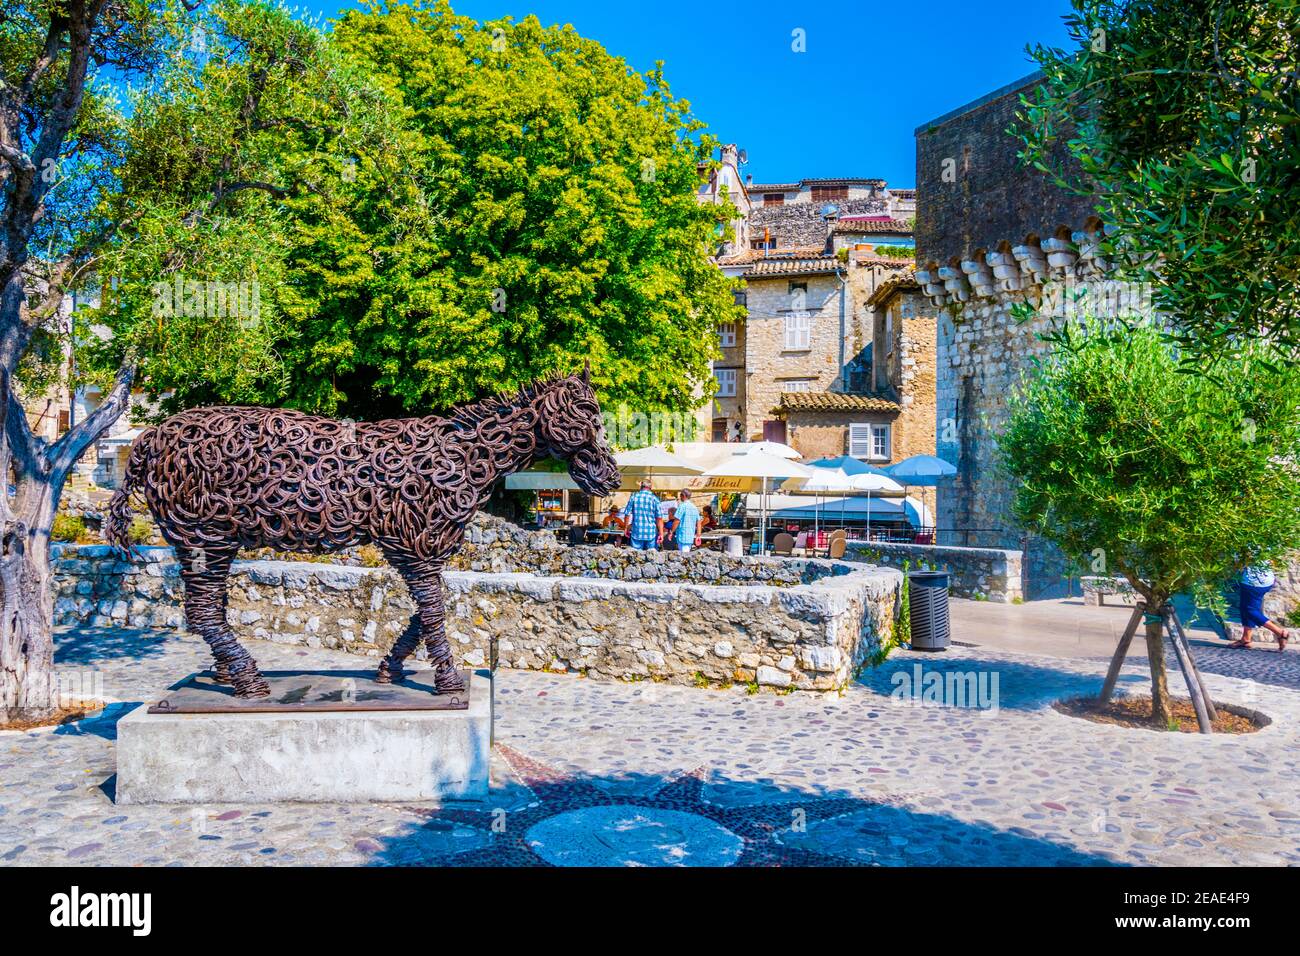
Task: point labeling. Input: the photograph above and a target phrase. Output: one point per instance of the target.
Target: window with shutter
(869, 441)
(798, 332)
(727, 335)
(726, 382)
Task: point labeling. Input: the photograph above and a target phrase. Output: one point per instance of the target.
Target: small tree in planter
(1172, 480)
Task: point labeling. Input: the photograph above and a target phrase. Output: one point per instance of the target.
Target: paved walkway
(632, 774)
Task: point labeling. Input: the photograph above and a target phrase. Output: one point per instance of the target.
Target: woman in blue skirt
(1256, 581)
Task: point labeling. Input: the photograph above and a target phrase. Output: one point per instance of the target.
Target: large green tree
(540, 210)
(1183, 118)
(1173, 480)
(146, 148)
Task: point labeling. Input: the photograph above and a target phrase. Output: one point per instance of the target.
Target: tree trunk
(27, 677)
(1161, 715)
(28, 689)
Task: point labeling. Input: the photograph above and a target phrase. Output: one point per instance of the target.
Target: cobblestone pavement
(599, 772)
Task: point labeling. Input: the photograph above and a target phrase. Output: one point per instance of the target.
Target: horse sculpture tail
(118, 522)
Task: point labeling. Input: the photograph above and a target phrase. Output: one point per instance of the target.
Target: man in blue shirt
(688, 523)
(643, 522)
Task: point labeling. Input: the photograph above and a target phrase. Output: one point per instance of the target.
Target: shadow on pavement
(688, 820)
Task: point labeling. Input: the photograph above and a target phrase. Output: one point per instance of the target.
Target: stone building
(799, 368)
(53, 413)
(725, 183)
(993, 234)
(788, 215)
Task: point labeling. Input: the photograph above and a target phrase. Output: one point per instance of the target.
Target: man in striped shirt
(644, 524)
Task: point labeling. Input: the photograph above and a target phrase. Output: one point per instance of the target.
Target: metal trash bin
(928, 596)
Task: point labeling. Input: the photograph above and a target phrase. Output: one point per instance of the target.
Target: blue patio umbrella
(922, 470)
(849, 465)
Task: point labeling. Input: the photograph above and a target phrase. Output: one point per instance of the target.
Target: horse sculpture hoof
(221, 675)
(388, 673)
(447, 680)
(250, 685)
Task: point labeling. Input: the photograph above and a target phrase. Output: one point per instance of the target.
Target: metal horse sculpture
(230, 477)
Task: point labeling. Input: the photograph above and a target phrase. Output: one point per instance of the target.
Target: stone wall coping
(822, 599)
(1003, 553)
(826, 596)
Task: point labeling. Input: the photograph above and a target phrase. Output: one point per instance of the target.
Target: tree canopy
(1135, 468)
(478, 206)
(1179, 479)
(1183, 118)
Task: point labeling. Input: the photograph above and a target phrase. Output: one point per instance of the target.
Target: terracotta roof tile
(905, 282)
(872, 224)
(834, 402)
(794, 266)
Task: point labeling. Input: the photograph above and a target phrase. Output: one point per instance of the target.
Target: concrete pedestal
(316, 757)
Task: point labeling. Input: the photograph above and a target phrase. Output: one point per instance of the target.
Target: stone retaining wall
(988, 574)
(808, 636)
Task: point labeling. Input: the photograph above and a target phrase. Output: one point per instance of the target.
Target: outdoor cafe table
(713, 538)
(605, 535)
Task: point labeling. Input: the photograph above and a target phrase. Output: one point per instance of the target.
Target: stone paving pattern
(861, 778)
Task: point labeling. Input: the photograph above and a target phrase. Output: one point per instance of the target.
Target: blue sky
(847, 106)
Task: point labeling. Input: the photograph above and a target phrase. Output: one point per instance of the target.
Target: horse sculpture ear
(586, 372)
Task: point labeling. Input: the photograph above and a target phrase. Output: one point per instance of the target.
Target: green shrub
(140, 532)
(71, 528)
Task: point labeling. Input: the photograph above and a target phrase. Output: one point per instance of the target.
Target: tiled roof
(819, 181)
(899, 283)
(814, 265)
(872, 224)
(834, 402)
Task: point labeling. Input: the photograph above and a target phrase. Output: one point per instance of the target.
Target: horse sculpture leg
(204, 571)
(424, 581)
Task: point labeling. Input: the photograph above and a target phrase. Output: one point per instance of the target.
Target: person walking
(1256, 581)
(688, 523)
(644, 525)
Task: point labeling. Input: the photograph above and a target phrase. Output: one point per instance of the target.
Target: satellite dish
(744, 157)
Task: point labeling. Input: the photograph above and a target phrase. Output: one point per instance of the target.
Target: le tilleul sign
(734, 484)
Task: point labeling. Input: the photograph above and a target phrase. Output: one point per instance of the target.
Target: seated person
(708, 520)
(614, 519)
(668, 541)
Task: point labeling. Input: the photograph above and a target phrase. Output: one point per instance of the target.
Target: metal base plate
(306, 691)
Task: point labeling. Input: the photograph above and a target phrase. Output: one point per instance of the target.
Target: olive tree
(1171, 479)
(149, 150)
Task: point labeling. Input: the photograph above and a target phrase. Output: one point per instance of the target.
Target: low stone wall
(808, 636)
(494, 545)
(990, 574)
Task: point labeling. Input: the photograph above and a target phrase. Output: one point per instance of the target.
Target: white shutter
(726, 382)
(798, 332)
(859, 440)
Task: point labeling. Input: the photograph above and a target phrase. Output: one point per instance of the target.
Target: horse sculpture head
(572, 430)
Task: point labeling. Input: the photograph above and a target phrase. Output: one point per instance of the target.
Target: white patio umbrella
(823, 482)
(652, 461)
(769, 448)
(761, 467)
(870, 481)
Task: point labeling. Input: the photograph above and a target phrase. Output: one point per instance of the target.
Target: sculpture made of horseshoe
(230, 477)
